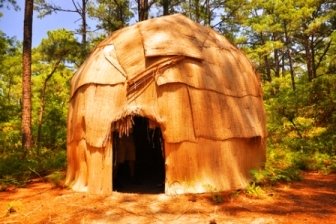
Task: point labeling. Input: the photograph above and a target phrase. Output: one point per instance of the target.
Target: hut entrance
(144, 171)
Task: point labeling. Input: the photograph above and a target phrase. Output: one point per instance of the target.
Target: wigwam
(185, 79)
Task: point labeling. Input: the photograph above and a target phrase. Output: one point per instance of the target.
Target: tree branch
(323, 54)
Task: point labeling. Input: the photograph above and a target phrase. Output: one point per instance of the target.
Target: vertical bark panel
(210, 166)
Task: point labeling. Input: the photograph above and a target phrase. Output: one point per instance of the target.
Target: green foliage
(51, 57)
(61, 45)
(17, 169)
(305, 119)
(254, 190)
(322, 162)
(10, 93)
(203, 12)
(301, 128)
(53, 126)
(10, 136)
(112, 14)
(285, 165)
(51, 86)
(281, 165)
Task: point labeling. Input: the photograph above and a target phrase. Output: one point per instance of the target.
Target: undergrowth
(18, 169)
(285, 165)
(301, 127)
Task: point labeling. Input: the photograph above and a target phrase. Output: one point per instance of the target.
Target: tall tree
(45, 7)
(112, 14)
(289, 34)
(169, 6)
(202, 11)
(58, 48)
(27, 140)
(143, 9)
(317, 23)
(165, 5)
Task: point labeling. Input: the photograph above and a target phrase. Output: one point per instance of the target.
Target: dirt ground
(312, 200)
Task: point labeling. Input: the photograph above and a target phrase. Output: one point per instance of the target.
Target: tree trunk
(143, 9)
(291, 68)
(289, 55)
(208, 13)
(276, 54)
(266, 60)
(197, 11)
(308, 57)
(276, 61)
(42, 102)
(267, 68)
(283, 69)
(84, 26)
(165, 5)
(10, 82)
(27, 141)
(312, 53)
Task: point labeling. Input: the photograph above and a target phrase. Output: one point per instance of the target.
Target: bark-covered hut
(183, 78)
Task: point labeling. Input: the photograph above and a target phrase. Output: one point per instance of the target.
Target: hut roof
(224, 68)
(221, 96)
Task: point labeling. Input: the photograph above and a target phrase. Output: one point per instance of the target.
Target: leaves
(60, 45)
(112, 14)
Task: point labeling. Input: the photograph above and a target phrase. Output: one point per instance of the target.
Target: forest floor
(311, 200)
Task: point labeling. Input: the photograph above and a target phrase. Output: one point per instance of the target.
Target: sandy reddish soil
(312, 200)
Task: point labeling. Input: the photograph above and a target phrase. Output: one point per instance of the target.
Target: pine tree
(27, 140)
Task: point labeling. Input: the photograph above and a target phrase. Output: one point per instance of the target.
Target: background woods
(292, 45)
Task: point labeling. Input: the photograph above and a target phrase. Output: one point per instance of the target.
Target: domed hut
(181, 78)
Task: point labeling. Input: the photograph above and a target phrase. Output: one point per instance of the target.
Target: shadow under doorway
(148, 169)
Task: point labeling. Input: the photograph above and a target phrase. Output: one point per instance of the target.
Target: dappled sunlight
(308, 201)
(200, 90)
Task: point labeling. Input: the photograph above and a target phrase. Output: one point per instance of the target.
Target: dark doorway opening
(149, 168)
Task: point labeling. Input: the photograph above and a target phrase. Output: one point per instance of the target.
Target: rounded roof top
(204, 86)
(129, 52)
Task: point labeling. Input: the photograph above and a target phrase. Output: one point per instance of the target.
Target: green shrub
(254, 190)
(284, 164)
(301, 126)
(17, 169)
(281, 165)
(322, 162)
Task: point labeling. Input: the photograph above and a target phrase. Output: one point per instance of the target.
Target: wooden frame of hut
(186, 79)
